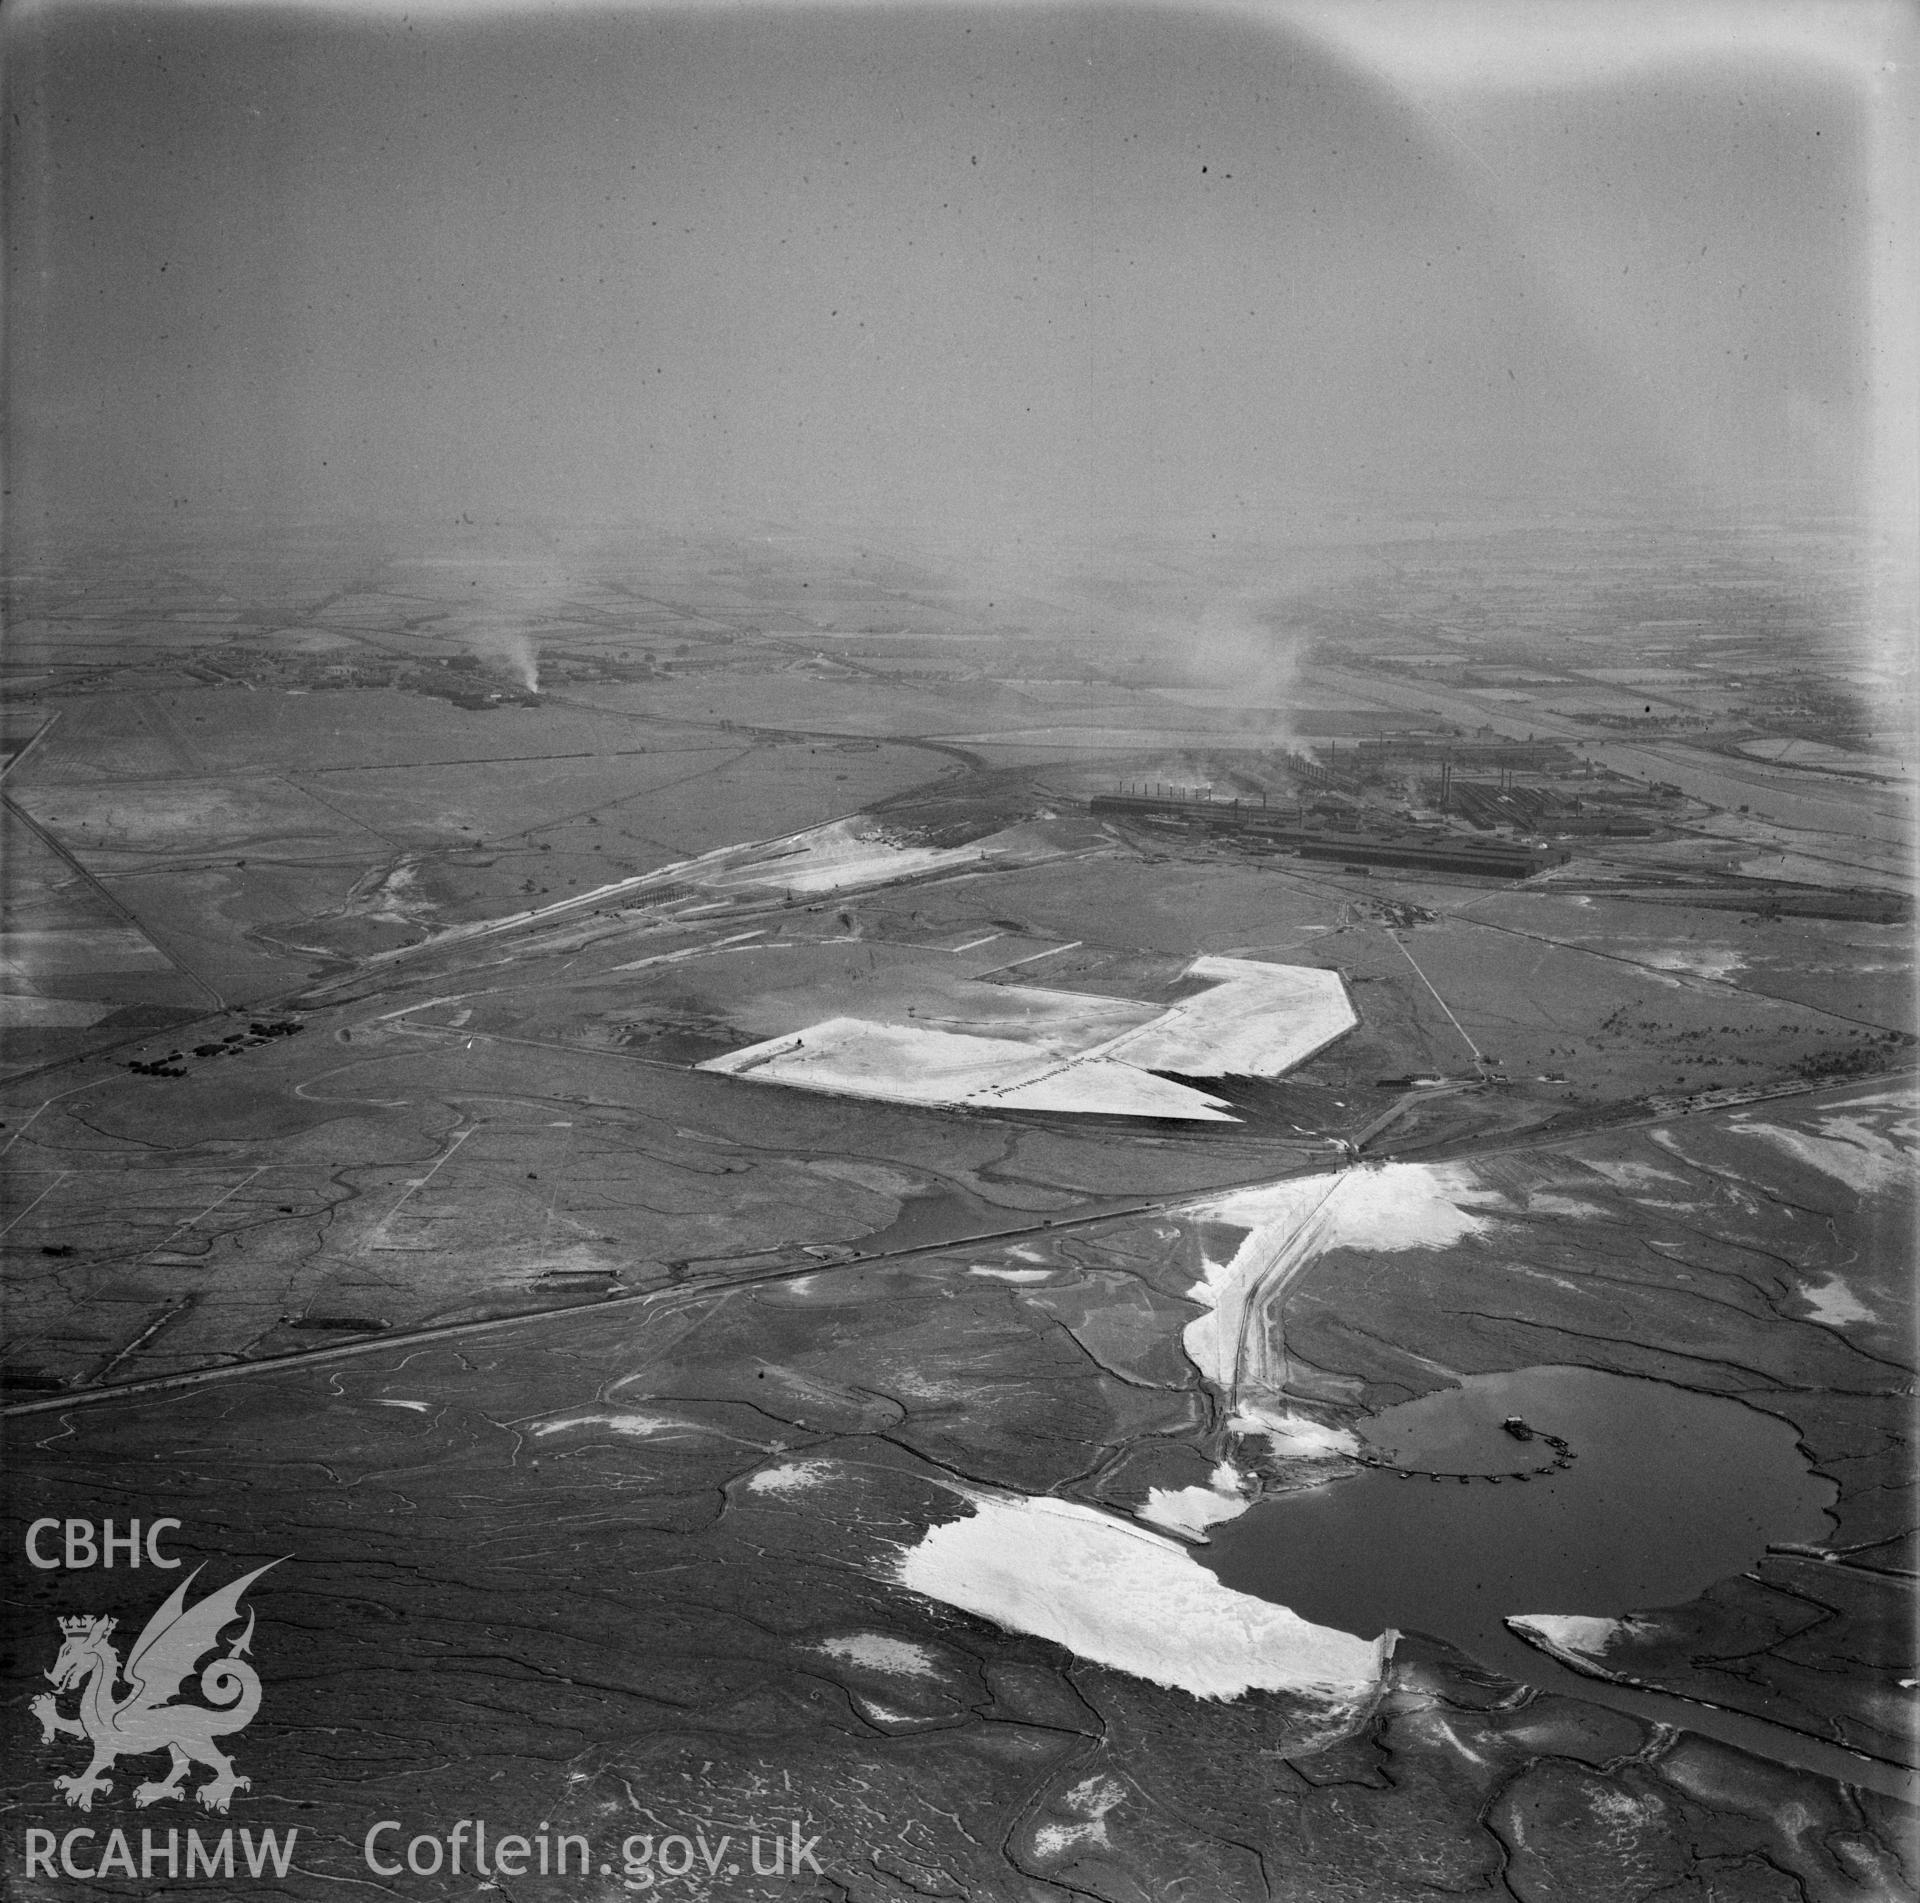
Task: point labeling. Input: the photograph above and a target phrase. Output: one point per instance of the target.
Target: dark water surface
(1668, 1492)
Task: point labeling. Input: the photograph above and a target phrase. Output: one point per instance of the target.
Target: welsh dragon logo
(144, 1718)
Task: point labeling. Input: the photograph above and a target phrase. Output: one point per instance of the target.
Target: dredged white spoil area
(903, 1063)
(1122, 1596)
(1254, 1020)
(1571, 1638)
(843, 855)
(1381, 1207)
(1191, 1510)
(1286, 1225)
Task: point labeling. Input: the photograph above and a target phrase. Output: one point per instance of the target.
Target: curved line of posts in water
(1562, 1458)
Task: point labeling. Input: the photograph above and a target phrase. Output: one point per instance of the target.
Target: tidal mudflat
(1627, 1494)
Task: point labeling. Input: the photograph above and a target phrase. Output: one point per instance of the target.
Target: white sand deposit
(1191, 1510)
(1387, 1206)
(1256, 1021)
(791, 1476)
(1137, 1601)
(1849, 1149)
(881, 1652)
(838, 857)
(1035, 1049)
(1576, 1641)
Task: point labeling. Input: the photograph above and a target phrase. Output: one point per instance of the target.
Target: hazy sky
(1097, 266)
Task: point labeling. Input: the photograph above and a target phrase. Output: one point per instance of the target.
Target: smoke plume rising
(516, 652)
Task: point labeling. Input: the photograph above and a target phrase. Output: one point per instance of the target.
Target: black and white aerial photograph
(959, 949)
